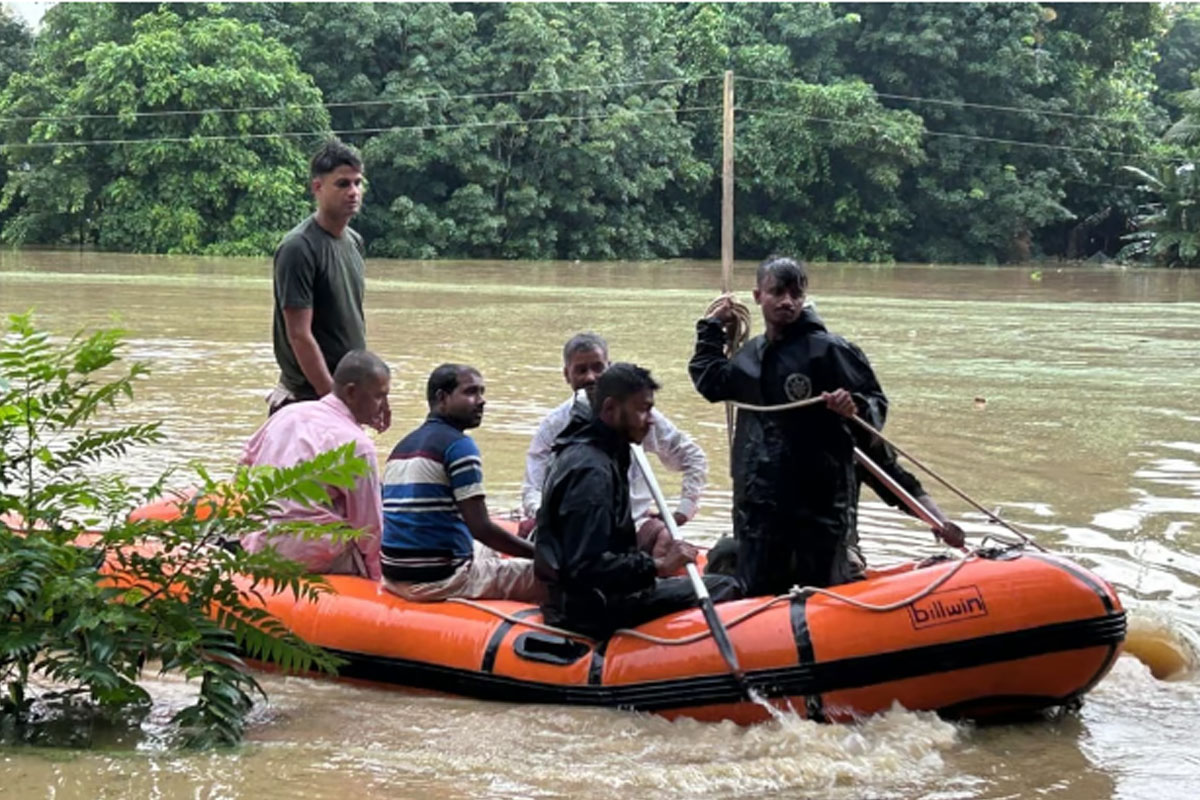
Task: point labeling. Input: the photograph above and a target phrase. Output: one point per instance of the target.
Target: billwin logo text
(953, 605)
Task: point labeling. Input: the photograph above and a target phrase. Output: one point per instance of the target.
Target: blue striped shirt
(428, 473)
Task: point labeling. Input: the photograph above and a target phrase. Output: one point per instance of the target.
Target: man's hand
(653, 537)
(679, 517)
(724, 312)
(677, 555)
(383, 420)
(526, 526)
(839, 401)
(947, 531)
(951, 534)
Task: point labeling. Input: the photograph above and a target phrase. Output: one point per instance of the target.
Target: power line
(947, 161)
(964, 136)
(357, 103)
(529, 92)
(966, 104)
(358, 131)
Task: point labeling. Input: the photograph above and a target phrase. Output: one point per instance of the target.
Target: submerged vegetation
(89, 598)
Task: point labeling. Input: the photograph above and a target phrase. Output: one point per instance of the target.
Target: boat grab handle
(549, 649)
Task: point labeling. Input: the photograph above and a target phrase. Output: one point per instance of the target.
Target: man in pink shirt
(301, 431)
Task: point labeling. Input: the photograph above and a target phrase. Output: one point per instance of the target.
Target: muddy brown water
(1089, 435)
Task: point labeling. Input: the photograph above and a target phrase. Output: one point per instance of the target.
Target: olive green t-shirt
(316, 270)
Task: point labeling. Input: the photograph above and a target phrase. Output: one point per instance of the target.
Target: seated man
(438, 541)
(585, 357)
(305, 429)
(598, 580)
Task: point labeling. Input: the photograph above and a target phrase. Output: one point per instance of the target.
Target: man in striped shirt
(438, 541)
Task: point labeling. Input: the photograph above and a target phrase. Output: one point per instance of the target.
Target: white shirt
(675, 449)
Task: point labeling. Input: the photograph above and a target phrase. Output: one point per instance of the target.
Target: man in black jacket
(795, 490)
(723, 556)
(586, 549)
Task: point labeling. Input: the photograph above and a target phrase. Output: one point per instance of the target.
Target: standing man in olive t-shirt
(319, 284)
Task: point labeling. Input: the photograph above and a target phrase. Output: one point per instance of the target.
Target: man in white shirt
(585, 358)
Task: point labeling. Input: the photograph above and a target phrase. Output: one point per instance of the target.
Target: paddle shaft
(914, 505)
(963, 495)
(895, 488)
(720, 635)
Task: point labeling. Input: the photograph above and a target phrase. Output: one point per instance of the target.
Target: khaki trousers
(485, 577)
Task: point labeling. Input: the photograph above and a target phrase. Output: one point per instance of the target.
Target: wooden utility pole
(727, 188)
(727, 219)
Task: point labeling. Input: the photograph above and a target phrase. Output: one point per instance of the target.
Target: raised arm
(711, 372)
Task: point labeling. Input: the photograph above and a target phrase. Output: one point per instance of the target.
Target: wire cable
(359, 131)
(966, 103)
(354, 103)
(963, 136)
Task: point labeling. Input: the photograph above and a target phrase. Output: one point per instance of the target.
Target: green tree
(1179, 55)
(16, 44)
(991, 74)
(89, 597)
(1168, 224)
(934, 132)
(179, 173)
(817, 166)
(488, 149)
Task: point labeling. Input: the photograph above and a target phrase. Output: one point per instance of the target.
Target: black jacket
(793, 471)
(586, 549)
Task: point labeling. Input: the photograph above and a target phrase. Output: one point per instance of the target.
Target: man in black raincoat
(586, 549)
(795, 488)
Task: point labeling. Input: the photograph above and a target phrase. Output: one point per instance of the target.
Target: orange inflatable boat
(1003, 631)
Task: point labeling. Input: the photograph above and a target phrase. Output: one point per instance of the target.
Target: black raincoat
(795, 488)
(586, 549)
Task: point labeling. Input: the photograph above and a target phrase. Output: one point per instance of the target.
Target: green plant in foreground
(70, 634)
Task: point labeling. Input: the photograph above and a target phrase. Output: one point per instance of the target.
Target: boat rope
(739, 332)
(796, 591)
(513, 620)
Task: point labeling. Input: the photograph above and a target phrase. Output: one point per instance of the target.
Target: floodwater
(1067, 398)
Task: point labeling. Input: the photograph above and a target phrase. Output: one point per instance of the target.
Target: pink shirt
(298, 432)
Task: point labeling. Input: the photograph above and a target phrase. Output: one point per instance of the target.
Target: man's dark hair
(357, 366)
(620, 381)
(787, 271)
(582, 342)
(445, 379)
(333, 154)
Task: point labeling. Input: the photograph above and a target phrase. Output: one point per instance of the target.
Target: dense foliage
(74, 638)
(976, 132)
(108, 73)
